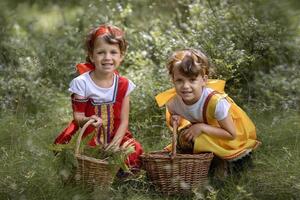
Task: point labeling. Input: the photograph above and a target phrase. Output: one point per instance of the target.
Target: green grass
(28, 168)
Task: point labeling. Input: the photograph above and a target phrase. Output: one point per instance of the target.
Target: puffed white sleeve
(131, 87)
(222, 109)
(77, 86)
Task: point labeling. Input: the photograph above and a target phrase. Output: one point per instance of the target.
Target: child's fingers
(117, 140)
(188, 135)
(191, 135)
(113, 146)
(96, 124)
(109, 147)
(175, 119)
(98, 121)
(127, 144)
(94, 117)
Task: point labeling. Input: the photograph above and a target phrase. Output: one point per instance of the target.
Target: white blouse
(193, 113)
(83, 85)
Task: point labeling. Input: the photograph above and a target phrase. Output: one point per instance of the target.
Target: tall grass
(28, 168)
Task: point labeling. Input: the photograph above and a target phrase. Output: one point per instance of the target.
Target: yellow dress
(245, 140)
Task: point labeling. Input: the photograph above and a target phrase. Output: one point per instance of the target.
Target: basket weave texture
(92, 171)
(176, 173)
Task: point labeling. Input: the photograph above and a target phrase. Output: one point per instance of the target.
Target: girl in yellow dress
(209, 121)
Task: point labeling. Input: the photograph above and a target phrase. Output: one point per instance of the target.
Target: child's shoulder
(124, 80)
(207, 90)
(82, 77)
(213, 98)
(122, 77)
(80, 81)
(207, 93)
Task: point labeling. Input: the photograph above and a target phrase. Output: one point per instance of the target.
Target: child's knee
(134, 158)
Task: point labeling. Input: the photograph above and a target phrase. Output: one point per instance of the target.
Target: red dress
(110, 114)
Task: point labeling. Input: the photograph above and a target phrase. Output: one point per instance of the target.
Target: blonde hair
(189, 62)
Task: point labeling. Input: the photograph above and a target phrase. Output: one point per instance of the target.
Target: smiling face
(189, 88)
(106, 57)
(189, 69)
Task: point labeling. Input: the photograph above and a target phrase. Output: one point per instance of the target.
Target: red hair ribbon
(108, 29)
(84, 67)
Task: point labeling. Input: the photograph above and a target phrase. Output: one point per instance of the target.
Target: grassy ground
(27, 169)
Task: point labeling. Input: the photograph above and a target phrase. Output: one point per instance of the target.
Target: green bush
(41, 43)
(280, 87)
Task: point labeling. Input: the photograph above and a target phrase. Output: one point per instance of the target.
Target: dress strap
(210, 104)
(206, 104)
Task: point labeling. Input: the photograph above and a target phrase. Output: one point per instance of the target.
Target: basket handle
(80, 135)
(174, 139)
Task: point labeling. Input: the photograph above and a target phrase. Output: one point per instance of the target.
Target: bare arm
(80, 117)
(173, 118)
(225, 131)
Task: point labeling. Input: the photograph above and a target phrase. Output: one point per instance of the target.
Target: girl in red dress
(100, 93)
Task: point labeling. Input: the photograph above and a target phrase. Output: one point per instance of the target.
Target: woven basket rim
(91, 159)
(166, 155)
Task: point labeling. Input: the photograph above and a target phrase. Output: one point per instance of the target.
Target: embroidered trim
(240, 156)
(108, 124)
(80, 100)
(99, 129)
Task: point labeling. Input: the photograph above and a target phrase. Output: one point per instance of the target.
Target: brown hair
(190, 62)
(111, 34)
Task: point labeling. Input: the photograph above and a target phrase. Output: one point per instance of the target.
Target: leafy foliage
(253, 45)
(67, 162)
(243, 39)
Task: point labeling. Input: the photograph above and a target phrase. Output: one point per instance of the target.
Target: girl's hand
(98, 120)
(114, 144)
(193, 132)
(175, 119)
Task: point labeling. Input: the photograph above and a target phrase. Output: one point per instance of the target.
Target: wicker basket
(92, 171)
(176, 173)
